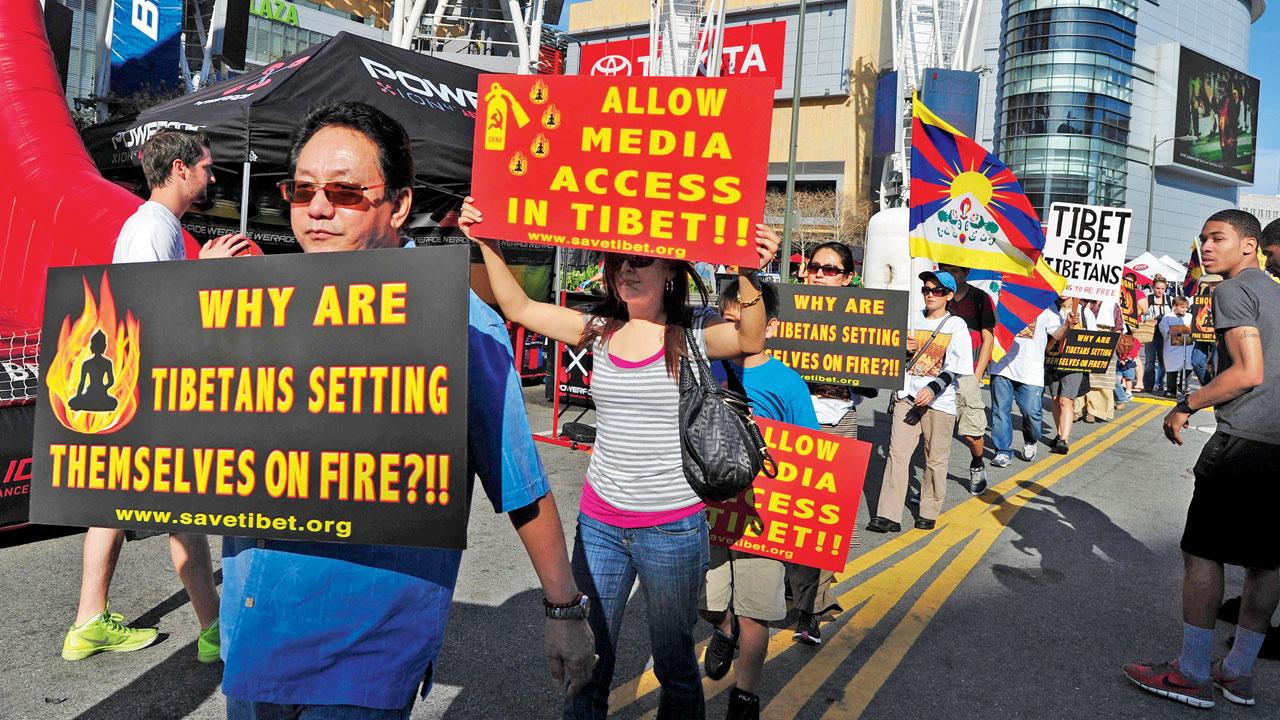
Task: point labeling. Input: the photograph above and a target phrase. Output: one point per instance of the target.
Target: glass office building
(1066, 96)
(1077, 92)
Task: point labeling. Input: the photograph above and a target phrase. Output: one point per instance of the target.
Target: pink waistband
(597, 508)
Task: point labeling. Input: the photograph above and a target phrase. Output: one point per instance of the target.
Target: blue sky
(1264, 64)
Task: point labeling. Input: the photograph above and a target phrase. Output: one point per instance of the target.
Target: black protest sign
(1085, 351)
(306, 397)
(841, 335)
(1202, 315)
(1129, 301)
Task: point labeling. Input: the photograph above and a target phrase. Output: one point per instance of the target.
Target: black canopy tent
(250, 119)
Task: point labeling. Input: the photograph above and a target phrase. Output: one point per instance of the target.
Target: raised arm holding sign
(646, 166)
(636, 480)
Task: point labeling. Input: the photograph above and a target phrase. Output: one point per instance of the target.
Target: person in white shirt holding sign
(926, 406)
(1019, 375)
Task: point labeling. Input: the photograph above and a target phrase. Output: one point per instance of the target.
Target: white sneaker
(977, 480)
(1029, 452)
(1001, 461)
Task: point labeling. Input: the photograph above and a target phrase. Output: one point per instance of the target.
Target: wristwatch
(574, 610)
(1184, 404)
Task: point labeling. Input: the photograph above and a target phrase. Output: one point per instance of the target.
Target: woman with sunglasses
(638, 517)
(941, 352)
(836, 406)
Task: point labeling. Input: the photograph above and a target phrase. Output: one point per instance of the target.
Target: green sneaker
(105, 633)
(209, 646)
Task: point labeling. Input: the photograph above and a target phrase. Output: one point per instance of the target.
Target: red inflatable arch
(55, 207)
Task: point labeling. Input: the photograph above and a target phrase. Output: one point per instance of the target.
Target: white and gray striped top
(636, 464)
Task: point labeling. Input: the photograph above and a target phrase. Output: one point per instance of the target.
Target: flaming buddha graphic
(93, 380)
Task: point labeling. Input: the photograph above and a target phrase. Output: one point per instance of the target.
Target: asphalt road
(1023, 603)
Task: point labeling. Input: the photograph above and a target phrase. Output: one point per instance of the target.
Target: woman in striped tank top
(638, 519)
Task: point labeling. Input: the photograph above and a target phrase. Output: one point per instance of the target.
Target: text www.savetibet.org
(213, 522)
(614, 245)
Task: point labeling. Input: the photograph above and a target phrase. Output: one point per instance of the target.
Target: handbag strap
(695, 351)
(702, 370)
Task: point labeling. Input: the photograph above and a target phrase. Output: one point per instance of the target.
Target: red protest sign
(807, 513)
(666, 167)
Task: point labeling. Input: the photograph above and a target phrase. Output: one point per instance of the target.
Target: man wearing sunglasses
(327, 631)
(976, 309)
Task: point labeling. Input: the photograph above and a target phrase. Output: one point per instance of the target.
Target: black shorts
(1066, 384)
(132, 535)
(1232, 514)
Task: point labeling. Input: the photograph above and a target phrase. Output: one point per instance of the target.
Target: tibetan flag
(1195, 269)
(1022, 299)
(967, 208)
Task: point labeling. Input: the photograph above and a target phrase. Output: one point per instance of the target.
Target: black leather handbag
(721, 447)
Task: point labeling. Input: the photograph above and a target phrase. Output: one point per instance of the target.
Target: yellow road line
(886, 590)
(868, 681)
(890, 579)
(970, 516)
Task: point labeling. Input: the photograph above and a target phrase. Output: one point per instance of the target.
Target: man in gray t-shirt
(1231, 518)
(1250, 300)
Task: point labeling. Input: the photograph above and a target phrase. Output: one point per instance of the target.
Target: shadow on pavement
(1072, 537)
(474, 657)
(173, 689)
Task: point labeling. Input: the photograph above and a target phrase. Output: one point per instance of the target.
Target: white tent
(1181, 270)
(1147, 266)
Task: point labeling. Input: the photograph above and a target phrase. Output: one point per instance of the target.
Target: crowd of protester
(639, 521)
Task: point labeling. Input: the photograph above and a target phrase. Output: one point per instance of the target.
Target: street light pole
(1151, 187)
(788, 226)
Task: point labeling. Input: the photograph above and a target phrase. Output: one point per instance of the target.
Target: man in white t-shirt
(1019, 375)
(179, 170)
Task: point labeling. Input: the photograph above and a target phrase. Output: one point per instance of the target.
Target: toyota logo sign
(612, 65)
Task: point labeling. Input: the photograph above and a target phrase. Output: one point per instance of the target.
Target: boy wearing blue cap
(941, 352)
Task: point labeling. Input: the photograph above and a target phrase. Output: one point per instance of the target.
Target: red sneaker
(1165, 680)
(1238, 690)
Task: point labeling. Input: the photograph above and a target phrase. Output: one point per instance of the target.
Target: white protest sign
(1086, 245)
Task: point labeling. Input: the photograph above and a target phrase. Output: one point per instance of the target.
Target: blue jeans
(1129, 372)
(1003, 393)
(249, 710)
(1153, 371)
(670, 561)
(1200, 362)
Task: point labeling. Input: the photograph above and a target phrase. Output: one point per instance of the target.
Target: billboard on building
(883, 133)
(753, 50)
(145, 44)
(953, 96)
(1218, 108)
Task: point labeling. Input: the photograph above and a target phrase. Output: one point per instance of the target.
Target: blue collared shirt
(341, 624)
